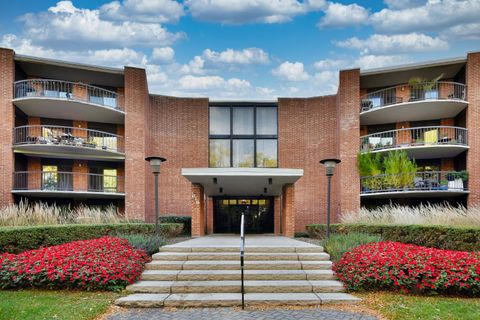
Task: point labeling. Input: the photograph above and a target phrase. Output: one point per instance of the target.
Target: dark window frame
(254, 137)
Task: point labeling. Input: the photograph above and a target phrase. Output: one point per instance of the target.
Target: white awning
(242, 181)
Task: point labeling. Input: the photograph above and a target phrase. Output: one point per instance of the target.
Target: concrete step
(218, 248)
(230, 286)
(232, 299)
(182, 256)
(235, 265)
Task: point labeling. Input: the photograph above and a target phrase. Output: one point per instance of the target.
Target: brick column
(198, 210)
(404, 136)
(35, 131)
(137, 173)
(7, 114)
(80, 177)
(77, 129)
(34, 179)
(346, 180)
(79, 92)
(288, 210)
(473, 119)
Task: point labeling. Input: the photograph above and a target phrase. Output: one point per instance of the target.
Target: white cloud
(374, 61)
(230, 56)
(194, 66)
(211, 82)
(339, 15)
(330, 64)
(251, 11)
(264, 91)
(153, 11)
(164, 54)
(291, 71)
(402, 4)
(327, 81)
(470, 31)
(377, 43)
(432, 16)
(64, 25)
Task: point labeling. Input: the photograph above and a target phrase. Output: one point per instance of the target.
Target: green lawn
(62, 304)
(406, 307)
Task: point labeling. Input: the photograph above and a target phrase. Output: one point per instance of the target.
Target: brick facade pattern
(473, 125)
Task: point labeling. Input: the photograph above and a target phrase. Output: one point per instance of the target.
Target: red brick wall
(179, 133)
(197, 208)
(136, 170)
(80, 177)
(346, 178)
(7, 77)
(473, 121)
(307, 134)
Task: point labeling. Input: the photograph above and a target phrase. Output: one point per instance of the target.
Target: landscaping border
(440, 237)
(19, 239)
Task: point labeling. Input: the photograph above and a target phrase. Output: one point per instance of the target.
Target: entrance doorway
(258, 211)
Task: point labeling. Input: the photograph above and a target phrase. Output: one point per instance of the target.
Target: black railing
(242, 256)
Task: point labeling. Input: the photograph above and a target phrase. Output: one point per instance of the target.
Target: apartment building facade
(77, 134)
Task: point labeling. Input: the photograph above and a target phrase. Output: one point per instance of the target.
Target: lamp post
(329, 165)
(155, 163)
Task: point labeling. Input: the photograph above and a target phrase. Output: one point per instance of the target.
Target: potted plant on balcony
(370, 167)
(456, 180)
(443, 184)
(422, 88)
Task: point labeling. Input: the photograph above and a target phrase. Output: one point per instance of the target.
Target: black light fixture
(220, 190)
(155, 163)
(214, 180)
(329, 165)
(270, 181)
(265, 190)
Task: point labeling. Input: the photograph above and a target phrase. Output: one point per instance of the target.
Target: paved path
(234, 314)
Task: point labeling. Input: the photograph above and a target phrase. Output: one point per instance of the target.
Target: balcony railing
(67, 136)
(66, 90)
(415, 181)
(441, 90)
(67, 181)
(412, 137)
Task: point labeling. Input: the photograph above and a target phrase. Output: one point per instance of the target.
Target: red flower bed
(106, 263)
(410, 268)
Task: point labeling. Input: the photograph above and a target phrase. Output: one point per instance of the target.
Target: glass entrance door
(258, 214)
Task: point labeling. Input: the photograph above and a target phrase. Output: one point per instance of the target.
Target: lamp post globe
(329, 165)
(155, 164)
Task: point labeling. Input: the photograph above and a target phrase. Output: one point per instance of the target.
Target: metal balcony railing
(66, 90)
(441, 90)
(67, 136)
(408, 137)
(415, 181)
(67, 181)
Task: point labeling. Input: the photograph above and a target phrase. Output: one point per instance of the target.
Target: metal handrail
(67, 181)
(242, 256)
(67, 90)
(415, 181)
(67, 136)
(441, 90)
(418, 136)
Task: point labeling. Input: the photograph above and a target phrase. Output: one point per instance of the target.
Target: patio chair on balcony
(366, 104)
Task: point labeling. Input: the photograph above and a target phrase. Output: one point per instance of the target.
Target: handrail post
(242, 253)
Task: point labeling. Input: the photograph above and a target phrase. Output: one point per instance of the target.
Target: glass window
(266, 120)
(242, 153)
(110, 180)
(219, 153)
(243, 121)
(267, 153)
(49, 177)
(220, 120)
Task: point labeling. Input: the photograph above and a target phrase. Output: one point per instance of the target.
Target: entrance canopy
(242, 181)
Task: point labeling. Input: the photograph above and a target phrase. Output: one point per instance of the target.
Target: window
(243, 136)
(49, 177)
(110, 180)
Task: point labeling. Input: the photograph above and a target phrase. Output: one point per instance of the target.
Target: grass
(405, 307)
(150, 243)
(340, 243)
(44, 304)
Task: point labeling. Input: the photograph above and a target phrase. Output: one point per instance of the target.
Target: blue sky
(242, 49)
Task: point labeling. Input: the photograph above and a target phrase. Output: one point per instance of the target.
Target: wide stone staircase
(209, 276)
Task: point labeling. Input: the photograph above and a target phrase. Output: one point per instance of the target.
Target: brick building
(79, 134)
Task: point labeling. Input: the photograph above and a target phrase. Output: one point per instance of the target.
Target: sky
(242, 49)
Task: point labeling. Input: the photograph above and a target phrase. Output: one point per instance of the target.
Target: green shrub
(339, 243)
(440, 237)
(150, 243)
(185, 220)
(19, 239)
(301, 234)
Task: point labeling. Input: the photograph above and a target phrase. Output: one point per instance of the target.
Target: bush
(19, 239)
(149, 243)
(185, 220)
(101, 264)
(340, 243)
(440, 237)
(410, 268)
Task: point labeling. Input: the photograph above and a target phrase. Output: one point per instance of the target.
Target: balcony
(419, 143)
(415, 185)
(67, 184)
(68, 142)
(68, 100)
(412, 103)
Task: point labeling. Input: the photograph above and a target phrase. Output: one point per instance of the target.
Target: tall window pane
(219, 120)
(267, 153)
(266, 120)
(219, 153)
(243, 153)
(242, 120)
